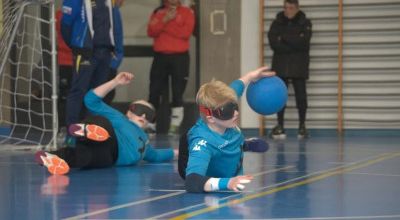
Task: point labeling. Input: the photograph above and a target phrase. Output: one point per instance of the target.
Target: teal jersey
(133, 142)
(212, 154)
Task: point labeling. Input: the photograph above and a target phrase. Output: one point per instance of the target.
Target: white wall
(249, 55)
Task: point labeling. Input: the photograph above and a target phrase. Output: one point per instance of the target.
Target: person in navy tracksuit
(93, 30)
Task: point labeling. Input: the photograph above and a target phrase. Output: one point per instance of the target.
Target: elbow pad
(195, 183)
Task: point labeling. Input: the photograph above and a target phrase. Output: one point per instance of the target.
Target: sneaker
(54, 164)
(90, 131)
(278, 133)
(303, 133)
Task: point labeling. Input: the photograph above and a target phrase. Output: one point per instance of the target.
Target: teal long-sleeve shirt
(133, 142)
(212, 154)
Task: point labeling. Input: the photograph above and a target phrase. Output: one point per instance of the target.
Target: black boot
(303, 133)
(278, 133)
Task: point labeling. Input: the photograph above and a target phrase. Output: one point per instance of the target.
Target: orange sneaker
(54, 164)
(90, 131)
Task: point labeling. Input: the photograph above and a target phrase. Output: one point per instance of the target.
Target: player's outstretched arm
(235, 183)
(122, 78)
(256, 74)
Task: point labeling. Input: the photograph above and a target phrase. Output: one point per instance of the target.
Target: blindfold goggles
(140, 109)
(224, 112)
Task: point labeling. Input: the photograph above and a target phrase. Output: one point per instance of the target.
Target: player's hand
(261, 72)
(237, 183)
(123, 78)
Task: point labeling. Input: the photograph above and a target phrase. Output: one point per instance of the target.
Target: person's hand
(171, 14)
(236, 183)
(260, 72)
(123, 78)
(256, 74)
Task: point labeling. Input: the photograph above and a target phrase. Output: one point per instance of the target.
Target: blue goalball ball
(267, 95)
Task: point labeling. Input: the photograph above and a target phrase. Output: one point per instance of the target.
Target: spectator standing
(171, 26)
(118, 53)
(65, 69)
(93, 30)
(289, 37)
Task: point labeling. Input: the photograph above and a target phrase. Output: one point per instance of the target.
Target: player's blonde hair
(215, 94)
(143, 102)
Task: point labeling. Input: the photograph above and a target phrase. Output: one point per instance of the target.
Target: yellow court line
(337, 171)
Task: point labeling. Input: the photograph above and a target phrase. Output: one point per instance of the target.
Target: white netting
(27, 84)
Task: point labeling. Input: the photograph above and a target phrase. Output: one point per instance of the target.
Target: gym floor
(324, 177)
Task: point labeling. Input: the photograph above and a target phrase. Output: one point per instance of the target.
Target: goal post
(28, 79)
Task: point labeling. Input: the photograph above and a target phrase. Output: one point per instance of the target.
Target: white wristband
(214, 184)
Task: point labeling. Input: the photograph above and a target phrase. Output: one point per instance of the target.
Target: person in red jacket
(65, 67)
(170, 26)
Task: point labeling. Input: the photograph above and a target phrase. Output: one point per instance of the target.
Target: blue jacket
(77, 28)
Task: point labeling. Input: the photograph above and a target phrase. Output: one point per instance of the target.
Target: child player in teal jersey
(212, 157)
(107, 137)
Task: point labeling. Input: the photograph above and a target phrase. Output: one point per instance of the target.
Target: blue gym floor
(321, 178)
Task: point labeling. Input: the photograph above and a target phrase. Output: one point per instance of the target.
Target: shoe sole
(278, 136)
(92, 132)
(54, 164)
(302, 136)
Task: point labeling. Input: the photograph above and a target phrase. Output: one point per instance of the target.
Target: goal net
(28, 115)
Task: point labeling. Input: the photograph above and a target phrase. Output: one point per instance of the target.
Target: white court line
(272, 171)
(150, 199)
(166, 190)
(264, 188)
(124, 206)
(246, 191)
(224, 198)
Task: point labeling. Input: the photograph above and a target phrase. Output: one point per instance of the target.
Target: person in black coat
(289, 37)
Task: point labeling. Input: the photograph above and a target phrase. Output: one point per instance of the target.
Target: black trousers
(164, 66)
(65, 77)
(300, 92)
(92, 154)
